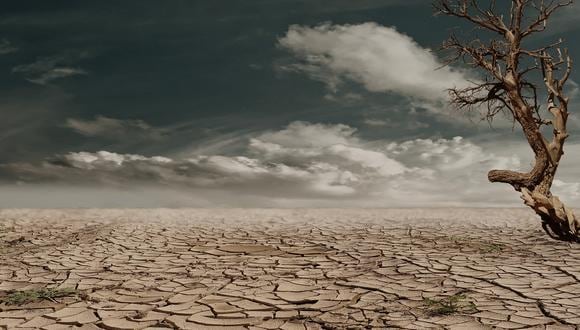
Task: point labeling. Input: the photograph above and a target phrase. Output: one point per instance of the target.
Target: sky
(253, 103)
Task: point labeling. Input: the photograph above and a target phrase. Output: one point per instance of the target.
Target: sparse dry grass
(36, 295)
(449, 305)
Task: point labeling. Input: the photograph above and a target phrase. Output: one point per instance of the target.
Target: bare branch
(470, 10)
(540, 23)
(507, 86)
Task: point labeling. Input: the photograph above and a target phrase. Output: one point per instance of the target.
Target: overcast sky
(249, 103)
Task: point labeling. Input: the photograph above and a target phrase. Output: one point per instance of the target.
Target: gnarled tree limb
(508, 87)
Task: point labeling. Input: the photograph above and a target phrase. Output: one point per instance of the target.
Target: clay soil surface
(284, 269)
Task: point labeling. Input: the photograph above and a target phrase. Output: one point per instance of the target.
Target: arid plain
(285, 269)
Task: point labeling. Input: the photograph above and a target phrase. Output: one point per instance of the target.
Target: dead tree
(516, 79)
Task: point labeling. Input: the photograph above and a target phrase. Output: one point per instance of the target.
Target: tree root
(558, 221)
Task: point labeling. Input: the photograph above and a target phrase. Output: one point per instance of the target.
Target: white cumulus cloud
(380, 58)
(291, 167)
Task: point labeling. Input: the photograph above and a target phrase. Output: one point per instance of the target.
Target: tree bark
(507, 66)
(558, 221)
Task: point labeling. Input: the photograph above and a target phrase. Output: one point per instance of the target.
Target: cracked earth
(287, 269)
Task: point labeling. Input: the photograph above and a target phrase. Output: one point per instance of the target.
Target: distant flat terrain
(285, 269)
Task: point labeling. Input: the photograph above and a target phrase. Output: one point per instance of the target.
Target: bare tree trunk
(511, 83)
(558, 221)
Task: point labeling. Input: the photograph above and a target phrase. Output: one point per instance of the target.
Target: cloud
(47, 69)
(210, 172)
(301, 165)
(6, 47)
(336, 145)
(570, 190)
(299, 134)
(378, 57)
(111, 128)
(388, 123)
(56, 73)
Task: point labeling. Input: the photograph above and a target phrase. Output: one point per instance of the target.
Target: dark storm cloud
(198, 95)
(6, 47)
(172, 62)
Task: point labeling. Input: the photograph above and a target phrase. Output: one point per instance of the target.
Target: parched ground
(285, 269)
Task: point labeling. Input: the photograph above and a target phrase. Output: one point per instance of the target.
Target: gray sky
(253, 103)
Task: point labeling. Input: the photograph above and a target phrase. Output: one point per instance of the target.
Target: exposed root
(558, 221)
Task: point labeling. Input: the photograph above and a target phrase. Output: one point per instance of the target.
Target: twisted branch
(508, 87)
